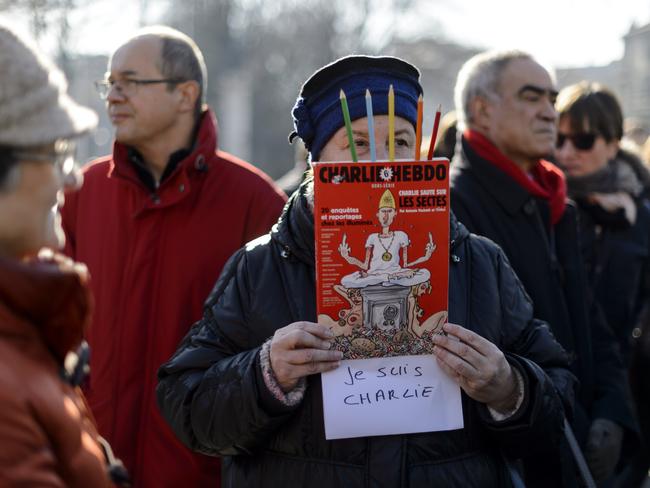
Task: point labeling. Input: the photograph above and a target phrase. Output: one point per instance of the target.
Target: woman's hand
(302, 349)
(478, 366)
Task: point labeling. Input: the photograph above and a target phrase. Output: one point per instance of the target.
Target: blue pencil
(371, 126)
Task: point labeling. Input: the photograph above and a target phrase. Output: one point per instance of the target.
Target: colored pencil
(391, 124)
(371, 127)
(348, 125)
(434, 132)
(418, 129)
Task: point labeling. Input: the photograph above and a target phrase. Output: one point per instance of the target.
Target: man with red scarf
(504, 189)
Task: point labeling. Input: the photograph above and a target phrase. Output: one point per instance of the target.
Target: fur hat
(34, 106)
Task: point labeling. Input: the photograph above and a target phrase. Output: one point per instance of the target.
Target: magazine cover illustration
(382, 254)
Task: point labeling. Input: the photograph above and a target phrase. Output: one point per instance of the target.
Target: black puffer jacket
(213, 394)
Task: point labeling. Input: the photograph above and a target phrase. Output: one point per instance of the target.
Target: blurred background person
(446, 142)
(47, 436)
(614, 220)
(607, 183)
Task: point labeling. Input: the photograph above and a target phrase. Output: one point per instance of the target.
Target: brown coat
(47, 437)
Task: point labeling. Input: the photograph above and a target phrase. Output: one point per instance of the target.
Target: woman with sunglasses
(609, 186)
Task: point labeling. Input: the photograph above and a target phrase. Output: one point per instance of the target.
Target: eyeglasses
(583, 141)
(61, 156)
(128, 86)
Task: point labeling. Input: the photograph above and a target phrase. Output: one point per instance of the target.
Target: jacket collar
(48, 298)
(506, 191)
(457, 232)
(198, 159)
(295, 228)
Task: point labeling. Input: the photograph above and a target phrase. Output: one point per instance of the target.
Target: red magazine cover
(382, 254)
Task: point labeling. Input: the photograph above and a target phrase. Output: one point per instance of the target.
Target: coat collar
(198, 160)
(506, 191)
(48, 298)
(295, 228)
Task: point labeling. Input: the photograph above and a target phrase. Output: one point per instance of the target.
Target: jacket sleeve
(549, 387)
(211, 392)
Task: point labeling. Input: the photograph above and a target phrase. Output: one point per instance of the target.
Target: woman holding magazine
(244, 383)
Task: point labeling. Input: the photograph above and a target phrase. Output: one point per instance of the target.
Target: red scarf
(547, 180)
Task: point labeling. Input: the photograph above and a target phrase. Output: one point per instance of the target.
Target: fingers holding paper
(302, 349)
(477, 365)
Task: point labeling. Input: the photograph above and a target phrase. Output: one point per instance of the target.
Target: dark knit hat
(317, 113)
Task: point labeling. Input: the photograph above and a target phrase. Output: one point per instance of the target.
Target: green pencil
(348, 125)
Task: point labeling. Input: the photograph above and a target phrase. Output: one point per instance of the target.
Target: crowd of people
(158, 322)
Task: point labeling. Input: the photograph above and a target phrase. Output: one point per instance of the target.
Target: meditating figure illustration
(381, 265)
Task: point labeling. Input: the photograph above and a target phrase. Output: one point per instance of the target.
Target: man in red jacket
(155, 223)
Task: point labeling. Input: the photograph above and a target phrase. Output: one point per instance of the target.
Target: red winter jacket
(154, 258)
(47, 436)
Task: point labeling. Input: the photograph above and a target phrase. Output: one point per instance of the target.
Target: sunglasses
(583, 141)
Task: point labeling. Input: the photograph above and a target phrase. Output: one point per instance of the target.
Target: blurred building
(253, 108)
(628, 77)
(439, 63)
(82, 72)
(635, 74)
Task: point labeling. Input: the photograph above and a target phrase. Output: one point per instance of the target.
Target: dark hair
(591, 107)
(446, 143)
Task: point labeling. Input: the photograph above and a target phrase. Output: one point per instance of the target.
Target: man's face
(338, 148)
(149, 115)
(386, 215)
(521, 122)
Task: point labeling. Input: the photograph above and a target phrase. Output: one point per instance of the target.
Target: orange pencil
(434, 133)
(418, 129)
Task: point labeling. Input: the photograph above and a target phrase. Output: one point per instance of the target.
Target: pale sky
(561, 33)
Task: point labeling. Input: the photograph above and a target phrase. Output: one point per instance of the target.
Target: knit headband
(317, 113)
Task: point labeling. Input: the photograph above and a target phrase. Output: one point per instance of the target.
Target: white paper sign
(392, 395)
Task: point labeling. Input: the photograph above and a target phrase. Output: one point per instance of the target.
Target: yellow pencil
(391, 124)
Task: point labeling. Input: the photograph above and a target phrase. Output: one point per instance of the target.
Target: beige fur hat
(34, 106)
